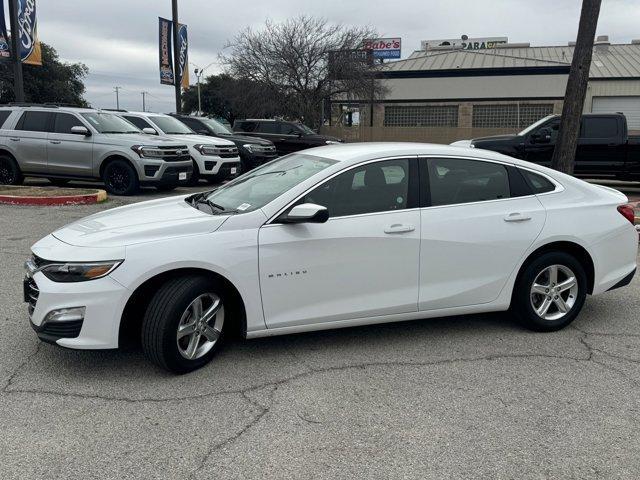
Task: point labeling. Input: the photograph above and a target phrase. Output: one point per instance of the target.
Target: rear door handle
(55, 142)
(399, 228)
(516, 217)
(14, 139)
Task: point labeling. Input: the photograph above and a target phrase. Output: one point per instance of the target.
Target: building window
(421, 116)
(509, 115)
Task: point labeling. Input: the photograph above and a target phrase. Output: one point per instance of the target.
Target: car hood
(140, 139)
(495, 137)
(191, 140)
(246, 139)
(321, 138)
(139, 223)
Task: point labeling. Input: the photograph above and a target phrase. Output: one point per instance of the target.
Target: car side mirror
(306, 213)
(542, 136)
(149, 131)
(202, 131)
(80, 130)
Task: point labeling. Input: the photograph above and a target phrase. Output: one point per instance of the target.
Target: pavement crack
(15, 373)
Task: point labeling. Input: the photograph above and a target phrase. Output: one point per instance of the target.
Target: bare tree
(293, 59)
(565, 151)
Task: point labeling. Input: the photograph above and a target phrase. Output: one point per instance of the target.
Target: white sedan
(332, 237)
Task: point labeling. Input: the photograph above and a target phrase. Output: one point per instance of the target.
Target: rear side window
(138, 122)
(599, 127)
(4, 114)
(269, 127)
(246, 126)
(538, 183)
(453, 181)
(34, 121)
(64, 122)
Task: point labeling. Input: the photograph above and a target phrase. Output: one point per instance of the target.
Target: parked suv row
(213, 159)
(253, 151)
(62, 144)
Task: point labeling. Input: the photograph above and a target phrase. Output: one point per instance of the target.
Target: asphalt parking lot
(463, 397)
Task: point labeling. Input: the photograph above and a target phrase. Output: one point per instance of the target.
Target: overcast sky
(118, 39)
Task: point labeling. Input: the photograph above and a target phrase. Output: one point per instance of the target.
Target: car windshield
(262, 185)
(109, 123)
(171, 126)
(305, 129)
(535, 125)
(216, 126)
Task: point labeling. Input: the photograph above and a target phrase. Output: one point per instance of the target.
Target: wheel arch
(113, 157)
(135, 307)
(572, 248)
(7, 152)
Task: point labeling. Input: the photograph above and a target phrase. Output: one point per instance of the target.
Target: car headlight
(148, 152)
(248, 147)
(79, 272)
(331, 142)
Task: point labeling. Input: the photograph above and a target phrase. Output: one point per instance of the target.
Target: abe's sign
(384, 47)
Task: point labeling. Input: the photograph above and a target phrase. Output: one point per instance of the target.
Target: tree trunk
(567, 142)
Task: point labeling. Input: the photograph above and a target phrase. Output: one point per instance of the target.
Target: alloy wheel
(554, 292)
(200, 326)
(7, 176)
(118, 179)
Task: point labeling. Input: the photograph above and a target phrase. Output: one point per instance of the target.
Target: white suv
(214, 159)
(62, 144)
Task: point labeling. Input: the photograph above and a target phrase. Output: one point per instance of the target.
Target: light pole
(198, 73)
(18, 82)
(176, 55)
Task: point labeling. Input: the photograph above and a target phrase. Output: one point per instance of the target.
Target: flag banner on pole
(29, 44)
(4, 38)
(183, 60)
(165, 46)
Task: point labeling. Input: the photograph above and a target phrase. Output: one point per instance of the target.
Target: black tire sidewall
(522, 303)
(169, 326)
(9, 162)
(133, 176)
(195, 175)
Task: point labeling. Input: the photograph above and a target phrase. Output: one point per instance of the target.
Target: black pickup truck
(605, 149)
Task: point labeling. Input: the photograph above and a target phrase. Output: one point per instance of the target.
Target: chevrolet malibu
(332, 237)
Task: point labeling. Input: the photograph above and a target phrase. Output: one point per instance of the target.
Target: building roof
(611, 61)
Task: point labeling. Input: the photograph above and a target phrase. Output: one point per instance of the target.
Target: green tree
(52, 82)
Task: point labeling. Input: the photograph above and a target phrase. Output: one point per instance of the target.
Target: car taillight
(627, 212)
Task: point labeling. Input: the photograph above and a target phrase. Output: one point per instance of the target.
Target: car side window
(4, 114)
(193, 124)
(599, 127)
(454, 181)
(63, 123)
(269, 127)
(138, 122)
(289, 129)
(34, 122)
(538, 183)
(247, 126)
(375, 187)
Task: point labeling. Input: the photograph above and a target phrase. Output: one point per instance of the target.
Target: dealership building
(479, 88)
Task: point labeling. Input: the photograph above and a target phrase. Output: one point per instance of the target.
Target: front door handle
(55, 142)
(14, 139)
(516, 217)
(399, 228)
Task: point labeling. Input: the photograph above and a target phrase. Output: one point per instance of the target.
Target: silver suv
(61, 144)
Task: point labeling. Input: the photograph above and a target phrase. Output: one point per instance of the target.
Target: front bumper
(159, 172)
(253, 160)
(103, 299)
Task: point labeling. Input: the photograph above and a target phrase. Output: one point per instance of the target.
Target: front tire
(195, 176)
(120, 178)
(10, 173)
(550, 292)
(183, 325)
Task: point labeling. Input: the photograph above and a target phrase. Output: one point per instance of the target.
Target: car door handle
(14, 139)
(516, 217)
(399, 228)
(55, 142)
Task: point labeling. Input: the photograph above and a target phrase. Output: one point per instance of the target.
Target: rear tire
(120, 178)
(550, 292)
(10, 173)
(176, 334)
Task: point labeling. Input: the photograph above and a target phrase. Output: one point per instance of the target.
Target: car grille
(225, 151)
(31, 293)
(175, 154)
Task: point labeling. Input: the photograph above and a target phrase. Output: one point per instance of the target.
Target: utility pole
(198, 73)
(565, 150)
(176, 55)
(117, 90)
(18, 81)
(144, 105)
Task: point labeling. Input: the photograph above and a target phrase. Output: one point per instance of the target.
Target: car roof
(144, 114)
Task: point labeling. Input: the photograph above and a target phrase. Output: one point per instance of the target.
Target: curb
(83, 199)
